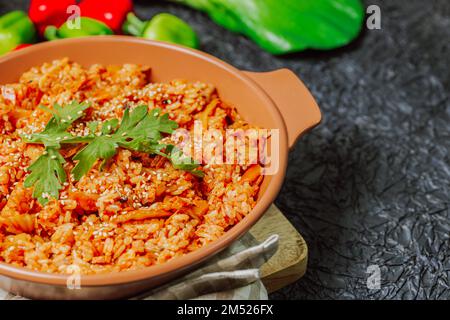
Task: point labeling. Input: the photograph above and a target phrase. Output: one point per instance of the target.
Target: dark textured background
(371, 185)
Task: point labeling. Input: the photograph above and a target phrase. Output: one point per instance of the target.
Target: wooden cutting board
(289, 263)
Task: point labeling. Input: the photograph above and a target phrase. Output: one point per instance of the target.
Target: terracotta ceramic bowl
(272, 100)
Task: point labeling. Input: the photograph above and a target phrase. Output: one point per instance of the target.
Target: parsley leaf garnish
(182, 162)
(139, 130)
(101, 147)
(47, 172)
(47, 175)
(55, 130)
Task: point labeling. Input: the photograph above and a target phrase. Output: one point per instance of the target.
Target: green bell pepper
(88, 27)
(15, 29)
(162, 27)
(287, 26)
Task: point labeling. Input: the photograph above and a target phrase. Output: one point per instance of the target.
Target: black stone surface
(371, 185)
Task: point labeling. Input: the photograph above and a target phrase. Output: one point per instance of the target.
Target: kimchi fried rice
(137, 210)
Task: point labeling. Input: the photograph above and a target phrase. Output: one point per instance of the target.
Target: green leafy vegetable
(55, 130)
(47, 175)
(47, 172)
(182, 162)
(139, 130)
(287, 26)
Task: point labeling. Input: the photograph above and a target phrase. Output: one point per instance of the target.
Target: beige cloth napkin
(232, 274)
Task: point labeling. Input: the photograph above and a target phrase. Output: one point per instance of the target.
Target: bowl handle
(296, 104)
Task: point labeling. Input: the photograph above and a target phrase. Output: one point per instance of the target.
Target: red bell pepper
(23, 45)
(49, 13)
(112, 13)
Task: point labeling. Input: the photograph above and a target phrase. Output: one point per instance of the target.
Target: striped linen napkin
(232, 274)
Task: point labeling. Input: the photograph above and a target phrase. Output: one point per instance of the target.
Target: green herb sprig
(139, 130)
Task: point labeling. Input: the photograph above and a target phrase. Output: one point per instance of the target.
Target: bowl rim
(202, 254)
